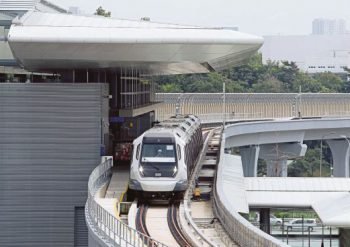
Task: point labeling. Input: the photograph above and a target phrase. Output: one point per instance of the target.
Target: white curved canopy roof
(45, 41)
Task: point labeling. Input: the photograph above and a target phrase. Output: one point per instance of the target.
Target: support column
(249, 156)
(277, 156)
(265, 220)
(277, 168)
(344, 237)
(340, 152)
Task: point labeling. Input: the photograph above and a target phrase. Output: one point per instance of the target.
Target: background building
(311, 53)
(322, 26)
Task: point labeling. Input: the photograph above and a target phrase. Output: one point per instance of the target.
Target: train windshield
(158, 153)
(158, 160)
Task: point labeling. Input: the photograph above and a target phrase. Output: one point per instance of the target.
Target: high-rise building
(322, 26)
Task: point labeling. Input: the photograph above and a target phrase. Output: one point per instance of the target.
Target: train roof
(181, 125)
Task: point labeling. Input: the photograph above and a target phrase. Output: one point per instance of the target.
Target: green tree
(102, 12)
(171, 88)
(307, 84)
(308, 166)
(331, 83)
(271, 85)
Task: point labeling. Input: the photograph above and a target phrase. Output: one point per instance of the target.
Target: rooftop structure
(25, 5)
(59, 41)
(9, 9)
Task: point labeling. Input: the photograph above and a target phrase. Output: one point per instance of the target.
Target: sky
(261, 17)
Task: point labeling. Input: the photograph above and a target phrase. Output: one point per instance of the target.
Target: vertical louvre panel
(50, 138)
(80, 229)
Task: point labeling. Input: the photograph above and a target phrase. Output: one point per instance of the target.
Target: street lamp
(224, 104)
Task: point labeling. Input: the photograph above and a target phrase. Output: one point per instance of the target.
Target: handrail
(236, 226)
(107, 228)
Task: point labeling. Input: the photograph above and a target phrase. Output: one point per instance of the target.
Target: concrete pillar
(277, 156)
(265, 220)
(340, 152)
(277, 168)
(249, 156)
(344, 237)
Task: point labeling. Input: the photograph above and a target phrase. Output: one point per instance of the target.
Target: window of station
(135, 90)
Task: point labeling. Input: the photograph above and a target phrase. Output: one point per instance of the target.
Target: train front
(157, 170)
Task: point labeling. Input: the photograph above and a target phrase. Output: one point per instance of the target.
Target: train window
(138, 152)
(178, 151)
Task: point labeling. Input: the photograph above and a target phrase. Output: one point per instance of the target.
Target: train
(164, 158)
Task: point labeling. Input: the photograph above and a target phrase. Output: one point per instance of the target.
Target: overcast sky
(262, 17)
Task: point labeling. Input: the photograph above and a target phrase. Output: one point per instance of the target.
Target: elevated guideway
(329, 197)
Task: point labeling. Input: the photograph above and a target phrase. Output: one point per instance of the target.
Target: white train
(164, 157)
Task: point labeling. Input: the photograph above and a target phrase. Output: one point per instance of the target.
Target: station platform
(111, 194)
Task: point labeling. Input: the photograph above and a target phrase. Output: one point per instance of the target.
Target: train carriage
(164, 157)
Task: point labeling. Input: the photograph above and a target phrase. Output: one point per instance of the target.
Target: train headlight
(141, 170)
(174, 170)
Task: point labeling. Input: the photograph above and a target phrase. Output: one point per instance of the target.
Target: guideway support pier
(264, 220)
(340, 152)
(275, 155)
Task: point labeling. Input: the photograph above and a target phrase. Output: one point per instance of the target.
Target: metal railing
(254, 105)
(239, 229)
(105, 226)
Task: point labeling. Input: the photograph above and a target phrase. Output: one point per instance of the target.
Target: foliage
(102, 12)
(256, 77)
(309, 166)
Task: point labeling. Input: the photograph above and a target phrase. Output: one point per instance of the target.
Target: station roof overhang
(51, 42)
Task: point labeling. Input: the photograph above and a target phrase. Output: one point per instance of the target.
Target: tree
(100, 11)
(271, 85)
(331, 83)
(171, 88)
(307, 84)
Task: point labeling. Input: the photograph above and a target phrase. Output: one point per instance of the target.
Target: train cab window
(158, 152)
(178, 152)
(138, 152)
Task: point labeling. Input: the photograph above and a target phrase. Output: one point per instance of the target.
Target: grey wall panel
(80, 228)
(50, 139)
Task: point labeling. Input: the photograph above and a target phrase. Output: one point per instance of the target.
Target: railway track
(173, 223)
(162, 223)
